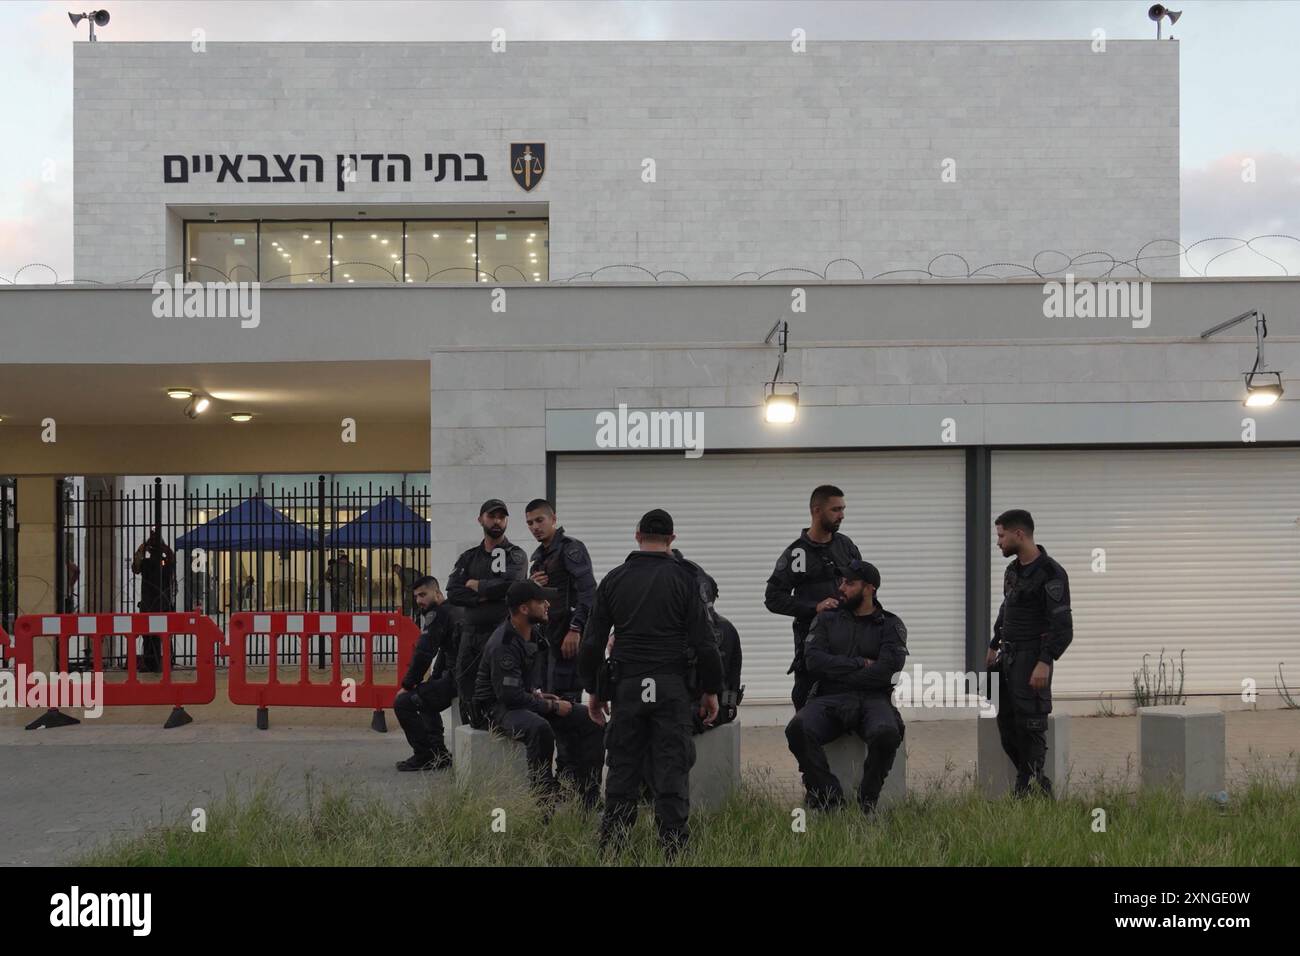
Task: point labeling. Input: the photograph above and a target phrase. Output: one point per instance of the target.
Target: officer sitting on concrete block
(507, 692)
(420, 703)
(733, 691)
(852, 654)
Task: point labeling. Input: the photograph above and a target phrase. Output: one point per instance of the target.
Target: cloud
(39, 231)
(1217, 202)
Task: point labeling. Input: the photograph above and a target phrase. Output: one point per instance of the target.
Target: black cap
(862, 571)
(657, 521)
(492, 504)
(523, 591)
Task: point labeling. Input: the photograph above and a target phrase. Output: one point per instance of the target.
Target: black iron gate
(8, 553)
(309, 545)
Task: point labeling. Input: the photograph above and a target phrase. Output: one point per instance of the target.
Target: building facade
(583, 233)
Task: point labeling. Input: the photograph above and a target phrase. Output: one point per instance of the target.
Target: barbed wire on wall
(1094, 264)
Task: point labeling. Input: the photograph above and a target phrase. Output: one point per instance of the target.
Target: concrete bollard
(994, 772)
(847, 755)
(1183, 747)
(488, 762)
(716, 773)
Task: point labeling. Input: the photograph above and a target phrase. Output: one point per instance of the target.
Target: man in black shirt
(155, 562)
(733, 691)
(661, 635)
(420, 703)
(508, 688)
(478, 583)
(807, 576)
(1033, 629)
(852, 652)
(562, 564)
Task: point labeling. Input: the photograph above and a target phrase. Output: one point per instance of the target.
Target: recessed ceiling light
(318, 242)
(374, 235)
(306, 235)
(347, 275)
(352, 280)
(241, 416)
(182, 393)
(383, 242)
(194, 258)
(435, 235)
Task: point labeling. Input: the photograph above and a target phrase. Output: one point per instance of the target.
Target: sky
(1239, 90)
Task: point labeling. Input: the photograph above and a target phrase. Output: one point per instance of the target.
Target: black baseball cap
(492, 504)
(522, 592)
(862, 571)
(656, 521)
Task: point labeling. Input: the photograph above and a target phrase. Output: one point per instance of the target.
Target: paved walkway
(65, 790)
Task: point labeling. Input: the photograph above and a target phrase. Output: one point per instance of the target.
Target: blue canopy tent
(251, 526)
(389, 524)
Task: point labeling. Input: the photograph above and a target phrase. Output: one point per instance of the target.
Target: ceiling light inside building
(241, 416)
(182, 393)
(197, 406)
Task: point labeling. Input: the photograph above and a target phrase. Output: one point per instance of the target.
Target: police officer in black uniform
(420, 703)
(562, 564)
(508, 689)
(807, 576)
(1033, 629)
(852, 653)
(661, 634)
(733, 691)
(478, 583)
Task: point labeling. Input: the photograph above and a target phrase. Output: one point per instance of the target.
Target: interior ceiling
(276, 393)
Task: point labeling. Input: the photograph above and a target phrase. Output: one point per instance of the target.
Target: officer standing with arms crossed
(807, 576)
(1033, 629)
(479, 583)
(652, 601)
(853, 652)
(420, 703)
(562, 564)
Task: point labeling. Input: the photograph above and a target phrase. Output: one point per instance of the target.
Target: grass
(1259, 826)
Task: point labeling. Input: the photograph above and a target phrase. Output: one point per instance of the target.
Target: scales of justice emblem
(527, 164)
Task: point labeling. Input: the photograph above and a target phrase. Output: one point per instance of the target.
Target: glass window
(441, 251)
(367, 252)
(295, 252)
(221, 252)
(513, 251)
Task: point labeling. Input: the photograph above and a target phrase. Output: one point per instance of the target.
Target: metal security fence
(314, 545)
(8, 553)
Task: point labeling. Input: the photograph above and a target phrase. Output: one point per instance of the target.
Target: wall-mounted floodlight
(781, 399)
(97, 18)
(1263, 388)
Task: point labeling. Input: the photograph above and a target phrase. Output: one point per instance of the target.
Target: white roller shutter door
(1202, 552)
(734, 514)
